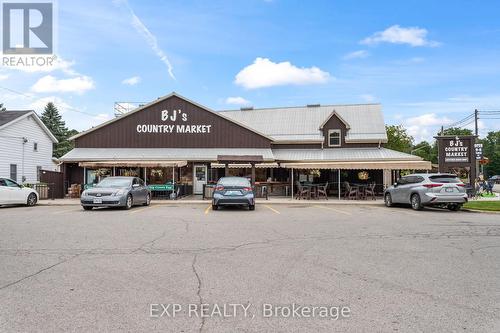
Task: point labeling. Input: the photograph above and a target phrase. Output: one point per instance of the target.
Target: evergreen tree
(53, 120)
(2, 108)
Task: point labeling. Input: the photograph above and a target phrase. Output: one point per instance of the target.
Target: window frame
(13, 172)
(331, 131)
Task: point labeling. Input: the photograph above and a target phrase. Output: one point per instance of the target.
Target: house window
(13, 172)
(35, 146)
(334, 138)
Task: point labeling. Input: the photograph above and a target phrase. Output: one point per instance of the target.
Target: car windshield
(115, 182)
(444, 179)
(236, 181)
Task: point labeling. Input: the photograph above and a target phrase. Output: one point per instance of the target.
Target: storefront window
(159, 175)
(94, 176)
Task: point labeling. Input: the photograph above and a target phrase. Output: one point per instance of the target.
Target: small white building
(26, 146)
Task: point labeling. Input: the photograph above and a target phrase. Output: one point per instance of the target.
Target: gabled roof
(8, 118)
(290, 124)
(161, 99)
(334, 113)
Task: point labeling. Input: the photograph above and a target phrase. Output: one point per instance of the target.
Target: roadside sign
(478, 148)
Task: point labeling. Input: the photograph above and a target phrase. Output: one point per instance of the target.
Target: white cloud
(58, 64)
(50, 84)
(4, 77)
(367, 97)
(132, 81)
(395, 34)
(39, 104)
(148, 36)
(425, 126)
(357, 55)
(237, 101)
(265, 73)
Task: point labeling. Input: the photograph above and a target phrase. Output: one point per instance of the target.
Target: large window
(334, 138)
(13, 172)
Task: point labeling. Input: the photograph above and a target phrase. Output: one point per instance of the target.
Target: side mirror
(135, 185)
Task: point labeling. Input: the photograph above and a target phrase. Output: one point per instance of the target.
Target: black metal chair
(302, 192)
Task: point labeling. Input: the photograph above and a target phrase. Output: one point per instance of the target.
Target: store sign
(478, 148)
(456, 151)
(174, 122)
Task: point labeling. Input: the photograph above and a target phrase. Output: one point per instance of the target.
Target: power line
(70, 108)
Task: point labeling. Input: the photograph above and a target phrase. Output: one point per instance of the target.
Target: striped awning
(244, 165)
(135, 164)
(369, 165)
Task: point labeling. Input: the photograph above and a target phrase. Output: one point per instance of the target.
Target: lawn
(484, 205)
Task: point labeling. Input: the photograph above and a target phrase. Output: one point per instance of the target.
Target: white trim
(335, 130)
(334, 113)
(37, 119)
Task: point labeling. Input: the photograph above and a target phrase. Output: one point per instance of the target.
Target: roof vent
(313, 105)
(246, 108)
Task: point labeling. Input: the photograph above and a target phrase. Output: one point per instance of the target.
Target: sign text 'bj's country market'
(456, 151)
(173, 123)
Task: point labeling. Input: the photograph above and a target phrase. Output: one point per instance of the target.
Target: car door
(398, 193)
(16, 192)
(144, 190)
(136, 191)
(4, 192)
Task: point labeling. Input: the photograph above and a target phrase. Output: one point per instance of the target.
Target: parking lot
(65, 269)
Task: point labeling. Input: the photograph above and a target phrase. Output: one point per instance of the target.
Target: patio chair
(302, 192)
(370, 191)
(323, 191)
(351, 192)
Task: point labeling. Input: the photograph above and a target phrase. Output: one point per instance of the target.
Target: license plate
(98, 201)
(232, 193)
(449, 189)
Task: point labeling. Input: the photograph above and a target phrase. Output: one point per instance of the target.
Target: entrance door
(200, 178)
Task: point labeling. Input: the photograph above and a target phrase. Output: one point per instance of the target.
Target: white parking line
(334, 209)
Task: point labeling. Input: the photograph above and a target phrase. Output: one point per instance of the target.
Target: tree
(491, 150)
(398, 139)
(456, 131)
(2, 107)
(424, 150)
(53, 120)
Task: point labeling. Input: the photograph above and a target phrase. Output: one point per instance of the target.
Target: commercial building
(174, 142)
(26, 146)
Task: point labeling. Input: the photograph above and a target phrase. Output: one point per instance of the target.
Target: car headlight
(84, 193)
(120, 192)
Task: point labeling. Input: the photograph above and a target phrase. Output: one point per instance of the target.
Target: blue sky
(429, 63)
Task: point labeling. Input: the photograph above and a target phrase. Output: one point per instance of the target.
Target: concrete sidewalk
(285, 201)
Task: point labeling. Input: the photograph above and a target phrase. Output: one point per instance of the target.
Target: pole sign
(457, 154)
(456, 150)
(478, 148)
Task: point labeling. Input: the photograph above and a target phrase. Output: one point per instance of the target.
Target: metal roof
(366, 121)
(342, 154)
(160, 154)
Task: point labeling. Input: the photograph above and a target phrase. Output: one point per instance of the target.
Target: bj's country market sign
(174, 122)
(456, 150)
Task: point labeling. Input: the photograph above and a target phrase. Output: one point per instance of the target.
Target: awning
(240, 158)
(369, 165)
(245, 165)
(149, 164)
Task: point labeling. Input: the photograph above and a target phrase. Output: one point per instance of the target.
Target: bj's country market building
(177, 145)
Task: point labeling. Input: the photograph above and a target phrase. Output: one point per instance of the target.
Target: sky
(429, 63)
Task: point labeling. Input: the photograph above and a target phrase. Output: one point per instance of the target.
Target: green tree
(53, 120)
(424, 150)
(491, 150)
(457, 131)
(2, 107)
(398, 139)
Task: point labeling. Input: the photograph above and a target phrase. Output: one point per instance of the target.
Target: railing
(45, 190)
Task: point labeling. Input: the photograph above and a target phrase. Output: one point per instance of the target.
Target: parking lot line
(208, 209)
(141, 209)
(271, 208)
(67, 210)
(334, 209)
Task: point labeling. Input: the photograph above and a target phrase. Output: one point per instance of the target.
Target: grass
(492, 206)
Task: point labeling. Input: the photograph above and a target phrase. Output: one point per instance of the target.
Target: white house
(25, 146)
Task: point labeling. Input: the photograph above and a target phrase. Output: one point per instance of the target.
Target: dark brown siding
(297, 146)
(335, 123)
(123, 133)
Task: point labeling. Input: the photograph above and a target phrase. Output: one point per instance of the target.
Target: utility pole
(476, 113)
(476, 132)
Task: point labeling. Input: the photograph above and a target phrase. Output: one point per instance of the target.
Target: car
(495, 179)
(419, 190)
(122, 192)
(233, 191)
(11, 193)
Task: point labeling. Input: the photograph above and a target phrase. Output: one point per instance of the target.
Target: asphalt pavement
(280, 268)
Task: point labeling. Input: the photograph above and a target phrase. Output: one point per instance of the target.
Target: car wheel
(148, 200)
(416, 204)
(454, 207)
(129, 202)
(215, 207)
(31, 201)
(388, 200)
(87, 207)
(251, 207)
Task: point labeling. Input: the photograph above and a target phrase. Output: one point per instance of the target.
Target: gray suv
(427, 189)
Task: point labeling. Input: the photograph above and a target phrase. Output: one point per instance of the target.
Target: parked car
(116, 192)
(419, 190)
(11, 193)
(233, 191)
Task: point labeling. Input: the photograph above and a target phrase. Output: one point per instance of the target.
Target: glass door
(200, 178)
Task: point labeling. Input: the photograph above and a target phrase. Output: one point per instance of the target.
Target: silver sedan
(116, 192)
